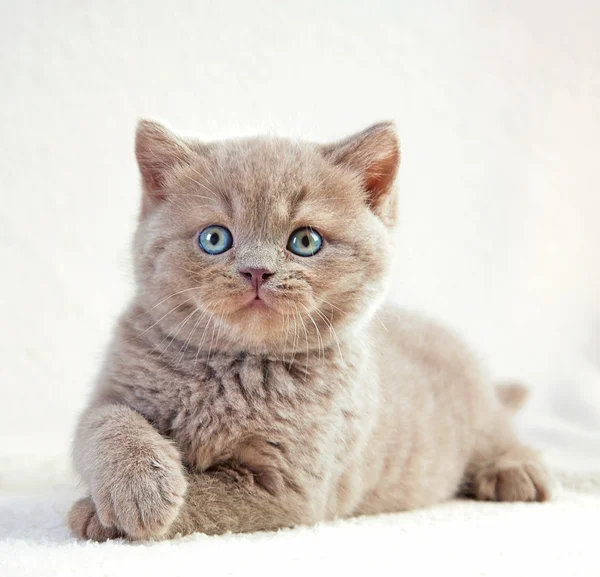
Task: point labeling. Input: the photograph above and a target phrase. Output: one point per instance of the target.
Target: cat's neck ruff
(186, 355)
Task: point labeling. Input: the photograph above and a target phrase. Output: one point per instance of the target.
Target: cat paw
(142, 496)
(513, 479)
(84, 523)
(137, 493)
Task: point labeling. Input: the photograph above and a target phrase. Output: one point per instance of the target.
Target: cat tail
(512, 395)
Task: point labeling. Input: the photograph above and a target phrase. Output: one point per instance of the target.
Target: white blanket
(461, 537)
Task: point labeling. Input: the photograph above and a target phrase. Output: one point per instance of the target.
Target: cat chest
(250, 410)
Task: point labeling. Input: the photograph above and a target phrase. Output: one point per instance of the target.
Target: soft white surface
(462, 538)
(498, 107)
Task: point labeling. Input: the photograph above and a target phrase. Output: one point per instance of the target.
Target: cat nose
(257, 276)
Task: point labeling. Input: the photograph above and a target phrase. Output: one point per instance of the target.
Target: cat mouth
(257, 302)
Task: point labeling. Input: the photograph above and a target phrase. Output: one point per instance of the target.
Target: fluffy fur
(214, 413)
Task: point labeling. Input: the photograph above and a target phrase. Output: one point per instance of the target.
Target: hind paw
(513, 479)
(85, 524)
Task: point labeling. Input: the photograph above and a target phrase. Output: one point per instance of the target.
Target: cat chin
(259, 320)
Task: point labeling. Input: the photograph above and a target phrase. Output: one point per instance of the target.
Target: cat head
(267, 243)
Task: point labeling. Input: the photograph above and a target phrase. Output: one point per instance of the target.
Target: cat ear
(374, 154)
(158, 151)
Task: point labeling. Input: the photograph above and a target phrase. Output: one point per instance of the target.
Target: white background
(498, 108)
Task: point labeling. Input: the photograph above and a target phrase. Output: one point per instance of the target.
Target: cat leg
(501, 468)
(140, 490)
(230, 500)
(215, 503)
(134, 475)
(85, 523)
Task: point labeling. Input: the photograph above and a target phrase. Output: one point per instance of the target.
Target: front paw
(141, 496)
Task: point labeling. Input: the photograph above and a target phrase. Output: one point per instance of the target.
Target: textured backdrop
(498, 109)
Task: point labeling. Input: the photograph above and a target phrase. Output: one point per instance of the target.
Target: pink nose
(257, 276)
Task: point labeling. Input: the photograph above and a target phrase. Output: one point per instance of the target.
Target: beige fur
(215, 415)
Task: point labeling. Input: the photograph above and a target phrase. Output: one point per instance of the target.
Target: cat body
(266, 385)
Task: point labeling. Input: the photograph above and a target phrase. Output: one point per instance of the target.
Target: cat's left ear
(374, 154)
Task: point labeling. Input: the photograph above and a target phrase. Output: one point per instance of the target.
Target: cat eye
(305, 241)
(215, 239)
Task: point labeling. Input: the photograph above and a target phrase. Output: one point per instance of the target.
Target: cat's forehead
(259, 167)
(269, 181)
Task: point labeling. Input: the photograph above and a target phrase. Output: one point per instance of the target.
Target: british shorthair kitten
(258, 380)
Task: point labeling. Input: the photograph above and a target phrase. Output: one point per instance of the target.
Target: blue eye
(215, 239)
(305, 241)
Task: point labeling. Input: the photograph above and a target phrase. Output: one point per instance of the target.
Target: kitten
(257, 380)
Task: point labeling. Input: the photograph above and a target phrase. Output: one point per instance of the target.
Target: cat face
(264, 243)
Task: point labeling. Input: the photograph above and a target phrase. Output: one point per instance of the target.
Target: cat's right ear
(158, 151)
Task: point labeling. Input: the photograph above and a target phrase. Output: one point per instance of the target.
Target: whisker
(184, 194)
(204, 187)
(332, 332)
(217, 192)
(165, 299)
(333, 306)
(320, 341)
(204, 333)
(218, 334)
(287, 328)
(212, 336)
(179, 327)
(188, 340)
(199, 347)
(295, 341)
(196, 273)
(198, 173)
(305, 335)
(160, 319)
